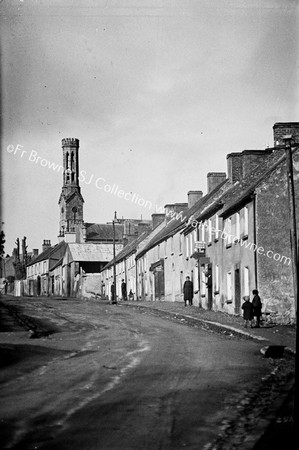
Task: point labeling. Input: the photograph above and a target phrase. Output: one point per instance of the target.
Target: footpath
(276, 429)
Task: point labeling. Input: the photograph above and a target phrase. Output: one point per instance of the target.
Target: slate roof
(242, 191)
(53, 253)
(103, 232)
(91, 252)
(129, 249)
(175, 225)
(56, 264)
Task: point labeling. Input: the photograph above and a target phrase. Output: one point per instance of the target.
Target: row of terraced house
(232, 240)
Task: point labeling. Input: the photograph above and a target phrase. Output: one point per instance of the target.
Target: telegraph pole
(294, 250)
(114, 300)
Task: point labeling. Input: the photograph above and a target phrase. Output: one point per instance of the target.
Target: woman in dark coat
(247, 311)
(188, 291)
(257, 307)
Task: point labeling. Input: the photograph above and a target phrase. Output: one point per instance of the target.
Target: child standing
(247, 311)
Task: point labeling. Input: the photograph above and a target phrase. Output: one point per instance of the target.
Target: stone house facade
(242, 226)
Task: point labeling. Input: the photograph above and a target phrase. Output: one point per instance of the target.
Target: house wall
(275, 279)
(56, 276)
(236, 258)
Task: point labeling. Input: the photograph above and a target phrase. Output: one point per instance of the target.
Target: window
(217, 227)
(165, 249)
(237, 234)
(196, 286)
(172, 246)
(159, 251)
(217, 275)
(245, 221)
(203, 281)
(246, 281)
(45, 267)
(202, 231)
(228, 231)
(187, 246)
(209, 231)
(145, 263)
(191, 243)
(180, 243)
(229, 286)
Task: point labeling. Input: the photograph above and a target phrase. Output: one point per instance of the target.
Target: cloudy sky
(157, 91)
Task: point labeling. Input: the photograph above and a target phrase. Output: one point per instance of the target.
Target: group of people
(124, 294)
(252, 309)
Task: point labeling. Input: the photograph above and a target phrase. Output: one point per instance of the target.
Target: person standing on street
(123, 290)
(257, 307)
(247, 311)
(188, 291)
(112, 293)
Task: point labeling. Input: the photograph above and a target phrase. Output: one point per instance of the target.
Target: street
(111, 377)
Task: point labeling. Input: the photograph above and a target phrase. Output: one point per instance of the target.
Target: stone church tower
(71, 200)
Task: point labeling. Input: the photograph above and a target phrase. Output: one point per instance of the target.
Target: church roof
(103, 232)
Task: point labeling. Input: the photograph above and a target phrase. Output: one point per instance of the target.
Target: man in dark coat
(188, 291)
(113, 300)
(257, 307)
(123, 290)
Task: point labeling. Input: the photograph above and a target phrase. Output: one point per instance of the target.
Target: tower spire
(71, 200)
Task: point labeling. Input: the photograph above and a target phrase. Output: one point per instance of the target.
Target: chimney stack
(280, 129)
(46, 245)
(172, 210)
(157, 219)
(234, 166)
(193, 197)
(214, 179)
(253, 158)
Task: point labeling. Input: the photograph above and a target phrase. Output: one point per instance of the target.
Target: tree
(2, 242)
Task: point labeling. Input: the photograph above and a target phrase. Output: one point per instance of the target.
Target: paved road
(109, 377)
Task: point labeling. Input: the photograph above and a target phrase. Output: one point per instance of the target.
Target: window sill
(203, 295)
(244, 237)
(216, 292)
(228, 302)
(228, 245)
(180, 254)
(216, 240)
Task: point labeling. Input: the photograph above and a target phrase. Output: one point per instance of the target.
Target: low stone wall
(90, 286)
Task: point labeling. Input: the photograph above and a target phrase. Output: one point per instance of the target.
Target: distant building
(84, 247)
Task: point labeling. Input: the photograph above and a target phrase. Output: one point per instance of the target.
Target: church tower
(71, 200)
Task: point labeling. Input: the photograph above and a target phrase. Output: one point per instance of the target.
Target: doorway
(237, 291)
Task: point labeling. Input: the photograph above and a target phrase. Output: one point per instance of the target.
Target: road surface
(110, 377)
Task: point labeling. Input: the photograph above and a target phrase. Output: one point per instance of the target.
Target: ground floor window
(229, 286)
(246, 281)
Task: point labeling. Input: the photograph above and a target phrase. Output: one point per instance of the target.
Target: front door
(237, 291)
(210, 287)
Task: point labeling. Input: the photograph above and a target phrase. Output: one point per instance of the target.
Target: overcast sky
(157, 91)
